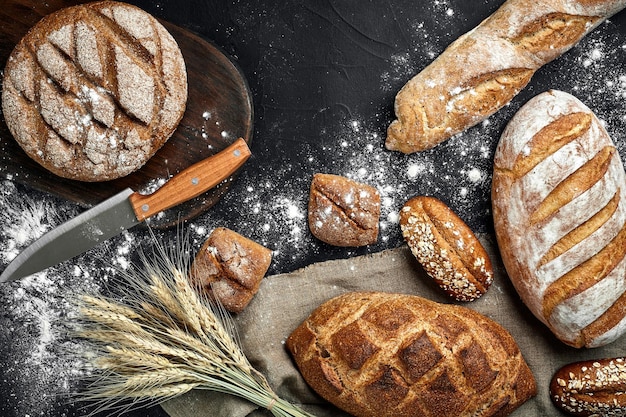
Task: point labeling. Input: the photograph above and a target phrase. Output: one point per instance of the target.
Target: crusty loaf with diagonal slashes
(376, 354)
(484, 69)
(93, 91)
(559, 207)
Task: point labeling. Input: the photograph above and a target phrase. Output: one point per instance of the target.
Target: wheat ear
(163, 340)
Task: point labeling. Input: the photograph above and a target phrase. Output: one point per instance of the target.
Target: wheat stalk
(164, 340)
(123, 359)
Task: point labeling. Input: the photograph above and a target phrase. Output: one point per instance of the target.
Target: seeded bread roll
(230, 267)
(343, 212)
(376, 354)
(93, 91)
(595, 388)
(446, 247)
(485, 68)
(559, 207)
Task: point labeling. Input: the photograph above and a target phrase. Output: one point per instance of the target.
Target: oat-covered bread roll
(377, 354)
(592, 388)
(343, 212)
(446, 248)
(559, 207)
(485, 68)
(93, 91)
(230, 267)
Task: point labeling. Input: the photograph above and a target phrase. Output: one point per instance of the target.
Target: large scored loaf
(376, 354)
(92, 91)
(485, 68)
(559, 207)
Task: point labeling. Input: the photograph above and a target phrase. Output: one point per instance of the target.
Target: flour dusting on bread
(93, 91)
(561, 225)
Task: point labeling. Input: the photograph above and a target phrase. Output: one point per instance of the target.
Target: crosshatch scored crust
(93, 91)
(561, 221)
(382, 354)
(446, 248)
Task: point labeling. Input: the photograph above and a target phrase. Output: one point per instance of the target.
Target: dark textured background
(323, 75)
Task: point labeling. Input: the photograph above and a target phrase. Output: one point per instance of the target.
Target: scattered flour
(31, 309)
(39, 362)
(270, 205)
(425, 45)
(353, 146)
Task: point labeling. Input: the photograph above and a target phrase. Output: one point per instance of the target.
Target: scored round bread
(92, 91)
(376, 354)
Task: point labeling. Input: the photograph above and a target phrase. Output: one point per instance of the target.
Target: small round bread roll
(230, 267)
(93, 91)
(343, 212)
(446, 247)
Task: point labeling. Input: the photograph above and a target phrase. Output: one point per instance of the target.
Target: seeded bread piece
(591, 388)
(446, 247)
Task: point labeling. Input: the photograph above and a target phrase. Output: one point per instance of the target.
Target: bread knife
(123, 211)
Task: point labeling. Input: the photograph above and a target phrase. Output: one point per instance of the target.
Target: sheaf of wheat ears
(171, 297)
(164, 340)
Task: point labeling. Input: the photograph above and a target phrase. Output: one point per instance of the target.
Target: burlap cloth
(285, 300)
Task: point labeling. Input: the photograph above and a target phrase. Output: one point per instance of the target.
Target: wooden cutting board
(219, 110)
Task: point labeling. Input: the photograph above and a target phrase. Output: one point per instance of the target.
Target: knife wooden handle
(193, 181)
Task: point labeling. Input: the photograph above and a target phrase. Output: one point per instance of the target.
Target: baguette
(484, 69)
(559, 209)
(377, 354)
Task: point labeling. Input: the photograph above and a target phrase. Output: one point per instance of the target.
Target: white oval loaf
(559, 207)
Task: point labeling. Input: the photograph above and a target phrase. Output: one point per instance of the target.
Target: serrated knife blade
(123, 211)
